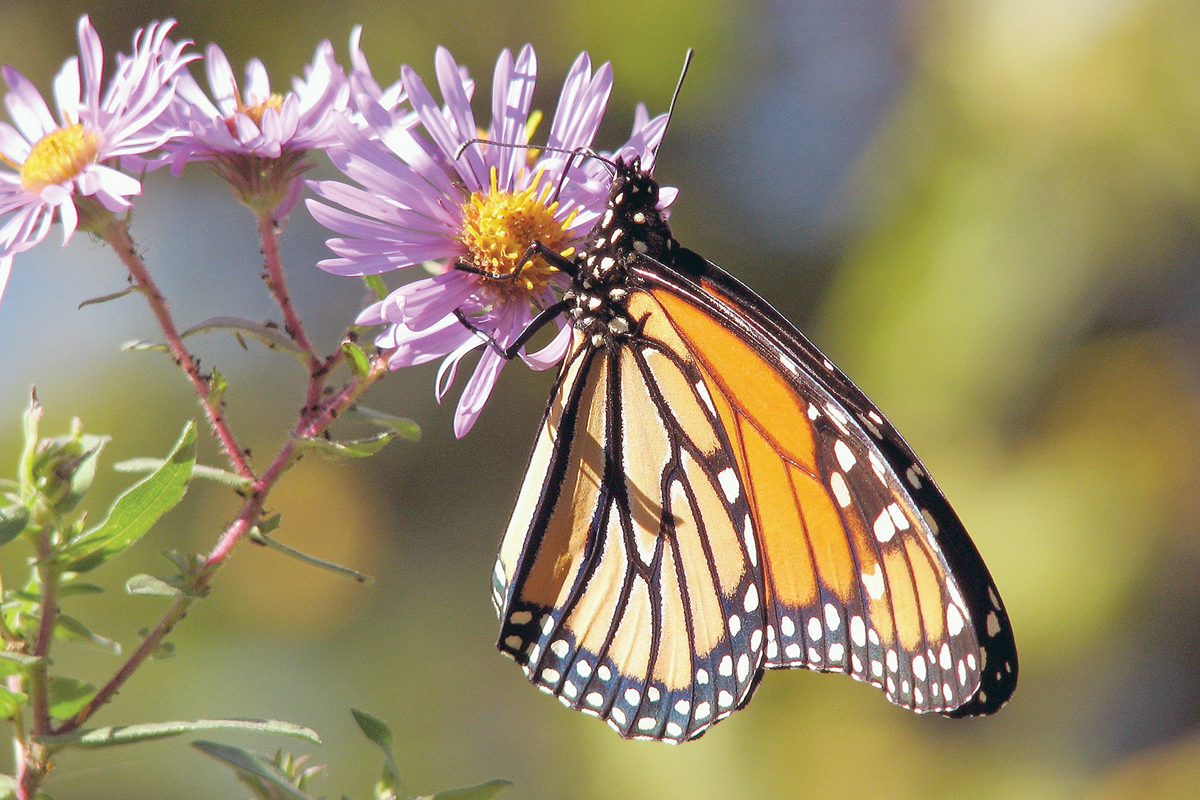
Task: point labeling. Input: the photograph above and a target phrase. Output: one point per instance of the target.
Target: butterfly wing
(626, 581)
(866, 567)
(709, 497)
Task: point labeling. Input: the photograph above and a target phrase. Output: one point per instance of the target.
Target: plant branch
(39, 688)
(116, 234)
(312, 422)
(292, 325)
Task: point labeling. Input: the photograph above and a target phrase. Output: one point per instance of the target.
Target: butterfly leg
(535, 325)
(536, 248)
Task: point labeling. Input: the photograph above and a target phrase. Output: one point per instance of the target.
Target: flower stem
(268, 233)
(313, 422)
(39, 688)
(117, 234)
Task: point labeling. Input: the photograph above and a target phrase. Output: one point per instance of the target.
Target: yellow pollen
(255, 113)
(58, 157)
(498, 228)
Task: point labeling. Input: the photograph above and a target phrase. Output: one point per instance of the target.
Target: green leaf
(261, 538)
(68, 697)
(73, 630)
(114, 735)
(375, 284)
(164, 651)
(29, 428)
(268, 525)
(378, 732)
(198, 471)
(8, 787)
(404, 426)
(483, 791)
(72, 589)
(83, 471)
(360, 365)
(139, 345)
(357, 448)
(136, 510)
(105, 298)
(269, 334)
(216, 388)
(24, 659)
(151, 586)
(64, 466)
(12, 522)
(11, 702)
(263, 777)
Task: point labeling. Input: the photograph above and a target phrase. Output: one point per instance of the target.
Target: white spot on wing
(832, 618)
(751, 602)
(898, 518)
(873, 582)
(954, 620)
(845, 458)
(705, 397)
(751, 544)
(729, 484)
(858, 631)
(841, 492)
(884, 528)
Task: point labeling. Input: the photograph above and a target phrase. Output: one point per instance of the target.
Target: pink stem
(118, 236)
(309, 425)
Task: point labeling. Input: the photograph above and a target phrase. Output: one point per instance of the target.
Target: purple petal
(221, 80)
(26, 106)
(92, 57)
(67, 91)
(479, 388)
(552, 353)
(449, 367)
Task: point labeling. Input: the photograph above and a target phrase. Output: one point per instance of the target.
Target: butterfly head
(632, 223)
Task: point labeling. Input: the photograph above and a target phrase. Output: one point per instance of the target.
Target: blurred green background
(987, 213)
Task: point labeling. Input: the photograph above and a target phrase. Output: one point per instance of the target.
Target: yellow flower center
(255, 113)
(498, 228)
(59, 156)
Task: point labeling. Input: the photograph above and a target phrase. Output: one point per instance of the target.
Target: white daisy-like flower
(55, 163)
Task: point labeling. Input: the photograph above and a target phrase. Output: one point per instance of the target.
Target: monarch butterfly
(710, 497)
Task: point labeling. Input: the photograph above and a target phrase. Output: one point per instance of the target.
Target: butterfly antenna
(585, 152)
(687, 62)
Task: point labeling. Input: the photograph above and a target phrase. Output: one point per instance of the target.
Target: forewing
(866, 568)
(627, 578)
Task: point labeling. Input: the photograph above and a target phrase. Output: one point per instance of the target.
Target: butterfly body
(710, 497)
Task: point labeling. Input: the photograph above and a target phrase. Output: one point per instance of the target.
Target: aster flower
(58, 163)
(255, 139)
(433, 197)
(363, 81)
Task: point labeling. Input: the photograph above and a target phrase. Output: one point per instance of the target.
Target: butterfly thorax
(632, 227)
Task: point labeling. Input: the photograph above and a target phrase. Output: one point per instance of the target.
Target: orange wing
(626, 582)
(709, 497)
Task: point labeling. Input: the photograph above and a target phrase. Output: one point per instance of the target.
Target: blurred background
(987, 213)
